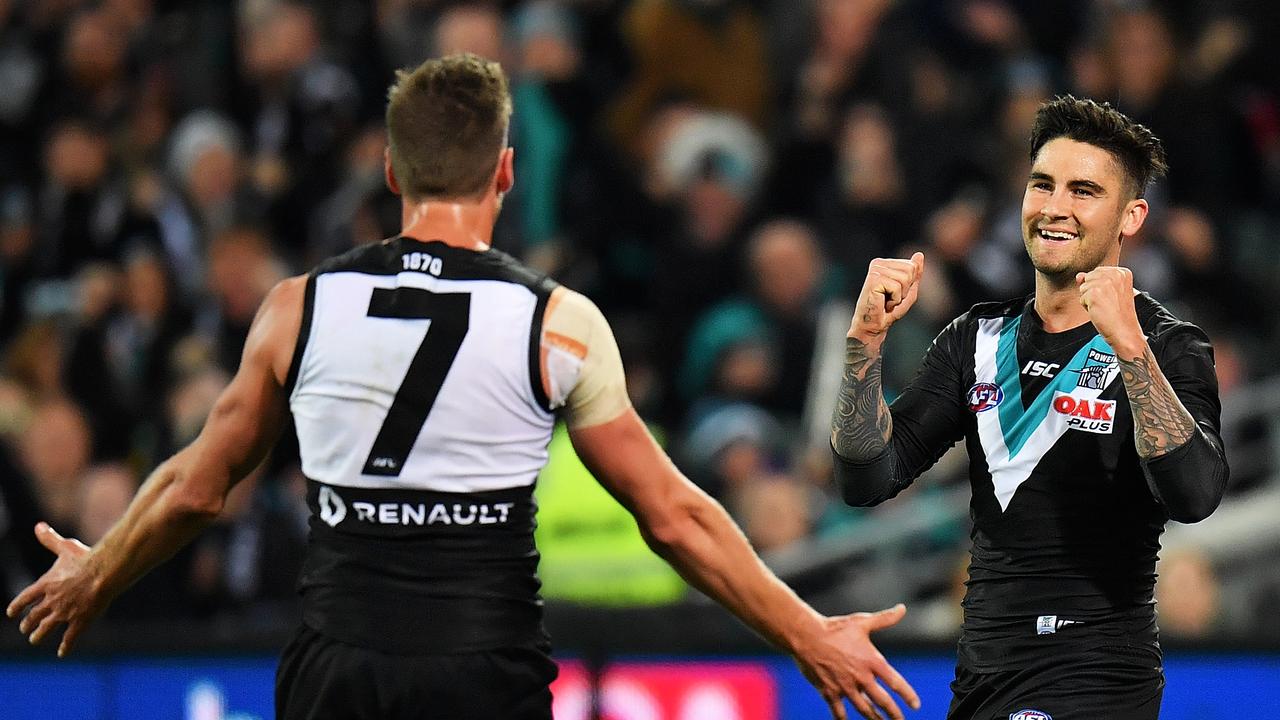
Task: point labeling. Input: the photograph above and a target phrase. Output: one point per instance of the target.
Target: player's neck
(461, 223)
(1058, 304)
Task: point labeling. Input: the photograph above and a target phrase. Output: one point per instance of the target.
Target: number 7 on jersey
(450, 316)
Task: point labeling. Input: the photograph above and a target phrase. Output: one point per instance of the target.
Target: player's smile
(1051, 237)
(1057, 236)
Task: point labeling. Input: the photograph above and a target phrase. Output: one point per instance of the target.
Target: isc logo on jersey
(1029, 715)
(1089, 415)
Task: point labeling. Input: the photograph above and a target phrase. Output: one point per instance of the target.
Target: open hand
(67, 593)
(887, 294)
(841, 662)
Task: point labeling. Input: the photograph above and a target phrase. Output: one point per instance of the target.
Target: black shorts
(1103, 684)
(323, 679)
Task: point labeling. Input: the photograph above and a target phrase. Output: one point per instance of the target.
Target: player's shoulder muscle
(582, 368)
(275, 329)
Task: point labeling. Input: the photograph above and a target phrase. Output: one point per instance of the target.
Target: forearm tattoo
(861, 424)
(1160, 422)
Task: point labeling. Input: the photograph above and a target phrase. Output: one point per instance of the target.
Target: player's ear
(1135, 213)
(388, 172)
(505, 175)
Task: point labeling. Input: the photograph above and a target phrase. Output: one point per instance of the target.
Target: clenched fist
(887, 294)
(1107, 294)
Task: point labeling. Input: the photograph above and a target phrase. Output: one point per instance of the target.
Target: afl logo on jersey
(1029, 715)
(984, 396)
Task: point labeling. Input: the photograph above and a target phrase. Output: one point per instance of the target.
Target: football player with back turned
(424, 374)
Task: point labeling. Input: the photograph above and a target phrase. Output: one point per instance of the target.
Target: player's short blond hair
(447, 123)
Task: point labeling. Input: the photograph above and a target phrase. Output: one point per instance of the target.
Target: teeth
(1057, 235)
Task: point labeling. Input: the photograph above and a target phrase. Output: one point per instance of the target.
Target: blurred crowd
(713, 173)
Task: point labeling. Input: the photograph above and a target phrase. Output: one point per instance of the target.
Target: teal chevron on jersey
(1016, 422)
(1016, 437)
(1011, 410)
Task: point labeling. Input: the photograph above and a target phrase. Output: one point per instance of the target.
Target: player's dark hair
(1139, 152)
(447, 124)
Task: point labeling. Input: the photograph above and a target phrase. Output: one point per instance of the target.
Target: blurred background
(715, 174)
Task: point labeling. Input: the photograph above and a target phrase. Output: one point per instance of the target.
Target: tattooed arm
(1160, 422)
(878, 452)
(1173, 393)
(861, 425)
(1175, 423)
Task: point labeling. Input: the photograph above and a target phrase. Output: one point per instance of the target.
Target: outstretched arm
(583, 375)
(182, 496)
(693, 532)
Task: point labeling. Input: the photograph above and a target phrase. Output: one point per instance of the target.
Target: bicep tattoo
(1160, 422)
(861, 425)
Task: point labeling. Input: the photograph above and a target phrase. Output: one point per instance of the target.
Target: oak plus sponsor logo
(984, 396)
(1087, 414)
(1029, 715)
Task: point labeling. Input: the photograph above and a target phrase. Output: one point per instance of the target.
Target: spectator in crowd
(93, 80)
(79, 217)
(55, 451)
(1206, 142)
(788, 283)
(774, 511)
(549, 100)
(1187, 596)
(242, 269)
(729, 444)
(360, 210)
(300, 109)
(35, 362)
(711, 52)
(712, 163)
(865, 211)
(474, 27)
(854, 56)
(105, 492)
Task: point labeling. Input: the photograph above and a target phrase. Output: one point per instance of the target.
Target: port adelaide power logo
(1099, 370)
